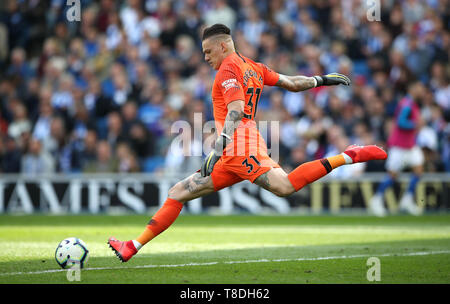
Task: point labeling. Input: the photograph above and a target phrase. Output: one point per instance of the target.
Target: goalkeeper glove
(214, 156)
(208, 163)
(332, 79)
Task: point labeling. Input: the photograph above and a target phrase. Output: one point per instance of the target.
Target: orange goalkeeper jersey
(239, 78)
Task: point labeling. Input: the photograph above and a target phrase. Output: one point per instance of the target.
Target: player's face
(213, 52)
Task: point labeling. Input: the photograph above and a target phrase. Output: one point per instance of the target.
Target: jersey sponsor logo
(230, 83)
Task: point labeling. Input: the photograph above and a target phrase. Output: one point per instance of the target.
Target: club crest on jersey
(230, 83)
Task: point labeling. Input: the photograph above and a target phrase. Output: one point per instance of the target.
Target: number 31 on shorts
(249, 164)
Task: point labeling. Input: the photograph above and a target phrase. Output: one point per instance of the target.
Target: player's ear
(224, 46)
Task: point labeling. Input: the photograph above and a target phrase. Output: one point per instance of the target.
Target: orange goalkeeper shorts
(242, 160)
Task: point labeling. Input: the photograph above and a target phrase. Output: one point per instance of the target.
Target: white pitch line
(239, 262)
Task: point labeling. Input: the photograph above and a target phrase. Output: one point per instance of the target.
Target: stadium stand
(101, 95)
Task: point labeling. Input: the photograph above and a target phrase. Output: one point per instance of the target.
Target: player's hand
(209, 162)
(332, 79)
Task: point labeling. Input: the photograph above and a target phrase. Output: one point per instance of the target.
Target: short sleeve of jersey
(230, 84)
(270, 77)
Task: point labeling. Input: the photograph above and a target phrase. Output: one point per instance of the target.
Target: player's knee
(393, 174)
(175, 192)
(417, 170)
(284, 190)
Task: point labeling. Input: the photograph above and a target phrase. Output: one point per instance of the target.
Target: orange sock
(311, 171)
(336, 161)
(162, 219)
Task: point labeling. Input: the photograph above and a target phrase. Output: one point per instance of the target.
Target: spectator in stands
(37, 161)
(141, 140)
(20, 123)
(86, 152)
(105, 162)
(3, 124)
(221, 13)
(11, 155)
(129, 113)
(57, 144)
(41, 128)
(128, 162)
(19, 69)
(149, 52)
(115, 131)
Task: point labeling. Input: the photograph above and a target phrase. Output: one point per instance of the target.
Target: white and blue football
(70, 252)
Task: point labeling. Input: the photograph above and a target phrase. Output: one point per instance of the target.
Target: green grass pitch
(233, 249)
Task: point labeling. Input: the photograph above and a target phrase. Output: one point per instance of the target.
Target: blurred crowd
(103, 94)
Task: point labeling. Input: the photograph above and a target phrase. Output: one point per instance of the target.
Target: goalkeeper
(240, 152)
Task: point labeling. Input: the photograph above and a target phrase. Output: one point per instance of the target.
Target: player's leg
(376, 203)
(280, 183)
(394, 164)
(415, 160)
(190, 188)
(276, 181)
(407, 202)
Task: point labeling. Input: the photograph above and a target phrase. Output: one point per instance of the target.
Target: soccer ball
(70, 252)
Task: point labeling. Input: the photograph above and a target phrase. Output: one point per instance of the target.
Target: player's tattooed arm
(232, 120)
(301, 83)
(234, 116)
(296, 83)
